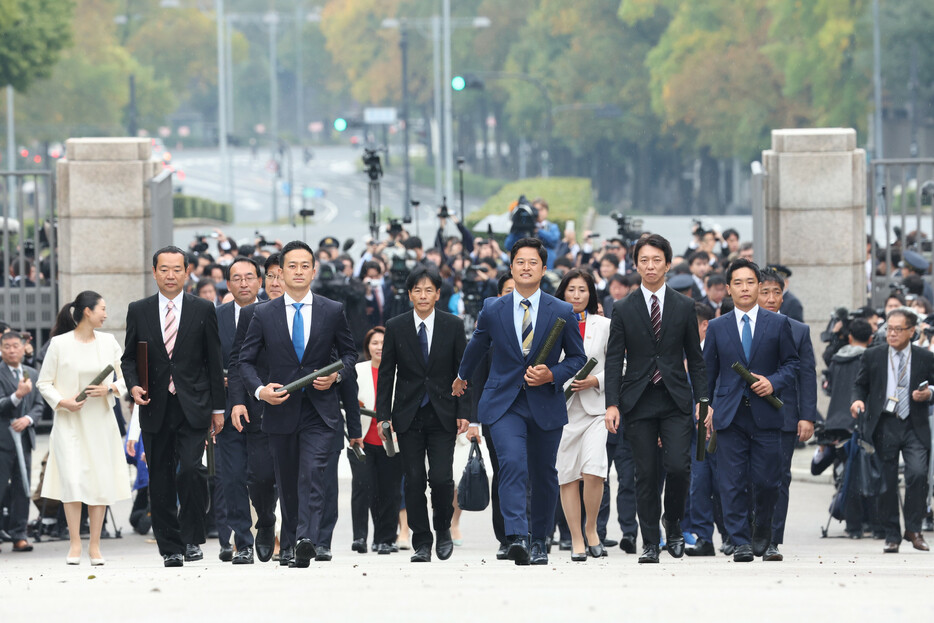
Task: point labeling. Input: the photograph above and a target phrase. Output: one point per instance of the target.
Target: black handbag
(869, 482)
(473, 491)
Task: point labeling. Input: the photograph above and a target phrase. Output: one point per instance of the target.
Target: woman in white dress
(86, 460)
(582, 453)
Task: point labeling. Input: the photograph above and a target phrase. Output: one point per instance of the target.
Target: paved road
(831, 578)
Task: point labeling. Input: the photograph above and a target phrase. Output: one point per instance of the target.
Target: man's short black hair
(422, 272)
(272, 260)
(532, 243)
(653, 240)
(914, 284)
(412, 242)
(563, 261)
(730, 232)
(861, 330)
(700, 253)
(367, 265)
(703, 311)
(742, 263)
(501, 282)
(911, 318)
(620, 279)
(294, 246)
(12, 335)
(169, 249)
(239, 259)
(773, 277)
(612, 259)
(715, 279)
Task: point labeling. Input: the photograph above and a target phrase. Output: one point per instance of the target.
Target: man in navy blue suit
(749, 428)
(800, 402)
(300, 331)
(524, 404)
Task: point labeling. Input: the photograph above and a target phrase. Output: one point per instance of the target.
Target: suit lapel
(281, 325)
(642, 311)
(763, 321)
(507, 315)
(317, 313)
(734, 336)
(435, 346)
(542, 324)
(187, 319)
(151, 311)
(667, 311)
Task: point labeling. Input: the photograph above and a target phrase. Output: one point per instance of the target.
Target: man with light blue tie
(748, 427)
(300, 333)
(523, 404)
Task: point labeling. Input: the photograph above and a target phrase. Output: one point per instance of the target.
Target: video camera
(261, 240)
(524, 219)
(374, 169)
(628, 229)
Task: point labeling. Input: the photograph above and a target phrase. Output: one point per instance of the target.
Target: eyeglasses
(897, 330)
(273, 277)
(243, 279)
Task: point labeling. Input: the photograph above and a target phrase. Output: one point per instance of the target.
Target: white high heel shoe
(97, 562)
(72, 560)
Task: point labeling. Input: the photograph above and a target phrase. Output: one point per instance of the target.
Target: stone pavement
(820, 578)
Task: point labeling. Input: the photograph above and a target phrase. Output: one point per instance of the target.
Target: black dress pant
(178, 485)
(426, 436)
(385, 478)
(11, 482)
(619, 453)
(261, 478)
(360, 486)
(499, 526)
(655, 416)
(894, 435)
(231, 474)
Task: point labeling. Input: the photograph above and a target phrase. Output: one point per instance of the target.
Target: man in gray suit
(20, 407)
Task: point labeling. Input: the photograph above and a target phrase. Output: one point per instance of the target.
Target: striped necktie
(657, 329)
(171, 331)
(526, 327)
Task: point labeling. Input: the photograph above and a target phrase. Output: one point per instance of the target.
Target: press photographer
(530, 220)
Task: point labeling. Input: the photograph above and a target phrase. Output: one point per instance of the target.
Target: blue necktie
(298, 331)
(747, 337)
(423, 340)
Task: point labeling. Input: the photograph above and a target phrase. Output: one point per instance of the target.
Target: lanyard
(899, 378)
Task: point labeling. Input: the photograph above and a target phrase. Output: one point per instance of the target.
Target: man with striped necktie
(183, 401)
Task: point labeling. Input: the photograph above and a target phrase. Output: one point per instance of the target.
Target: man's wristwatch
(340, 378)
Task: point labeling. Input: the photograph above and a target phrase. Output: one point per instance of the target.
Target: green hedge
(568, 198)
(474, 185)
(185, 206)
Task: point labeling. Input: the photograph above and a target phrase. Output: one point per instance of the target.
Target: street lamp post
(404, 47)
(272, 20)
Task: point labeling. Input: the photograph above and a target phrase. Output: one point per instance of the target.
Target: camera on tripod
(628, 229)
(372, 164)
(524, 219)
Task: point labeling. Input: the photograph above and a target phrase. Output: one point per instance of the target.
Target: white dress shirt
(306, 313)
(164, 305)
(429, 325)
(518, 312)
(648, 299)
(753, 316)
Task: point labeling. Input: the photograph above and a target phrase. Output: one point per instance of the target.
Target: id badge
(891, 404)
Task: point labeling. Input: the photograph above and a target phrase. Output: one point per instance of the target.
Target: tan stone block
(770, 163)
(61, 188)
(859, 178)
(808, 181)
(108, 149)
(813, 140)
(118, 292)
(106, 246)
(824, 288)
(105, 189)
(815, 236)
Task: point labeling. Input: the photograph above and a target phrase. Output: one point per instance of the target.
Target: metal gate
(28, 253)
(900, 218)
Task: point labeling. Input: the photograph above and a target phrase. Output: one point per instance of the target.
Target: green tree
(32, 33)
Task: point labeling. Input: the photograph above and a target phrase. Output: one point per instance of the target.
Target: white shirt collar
(429, 321)
(534, 299)
(647, 294)
(177, 301)
(752, 313)
(305, 301)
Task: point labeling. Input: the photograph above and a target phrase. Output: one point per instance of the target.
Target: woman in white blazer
(582, 453)
(376, 485)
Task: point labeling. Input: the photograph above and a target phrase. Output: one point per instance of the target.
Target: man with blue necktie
(300, 332)
(523, 404)
(749, 428)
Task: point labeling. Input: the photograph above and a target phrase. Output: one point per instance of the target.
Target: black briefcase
(473, 492)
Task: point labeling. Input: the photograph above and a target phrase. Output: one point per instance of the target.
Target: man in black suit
(20, 408)
(421, 353)
(655, 329)
(246, 416)
(300, 333)
(895, 416)
(185, 399)
(243, 279)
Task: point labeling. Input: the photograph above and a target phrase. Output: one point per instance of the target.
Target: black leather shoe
(564, 546)
(501, 553)
(395, 547)
(444, 545)
(596, 551)
(244, 556)
(323, 553)
(422, 554)
(286, 556)
(173, 560)
(727, 549)
(359, 546)
(891, 547)
(518, 550)
(226, 553)
(701, 548)
(649, 554)
(772, 554)
(579, 557)
(193, 553)
(384, 549)
(761, 539)
(628, 544)
(743, 553)
(539, 553)
(608, 543)
(265, 543)
(304, 552)
(674, 538)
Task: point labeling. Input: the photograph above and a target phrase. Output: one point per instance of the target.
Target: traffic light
(467, 81)
(458, 83)
(340, 124)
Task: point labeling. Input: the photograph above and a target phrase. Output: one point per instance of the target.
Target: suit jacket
(404, 376)
(632, 339)
(31, 405)
(196, 365)
(596, 336)
(237, 391)
(792, 307)
(870, 387)
(801, 397)
(772, 354)
(227, 330)
(496, 324)
(329, 332)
